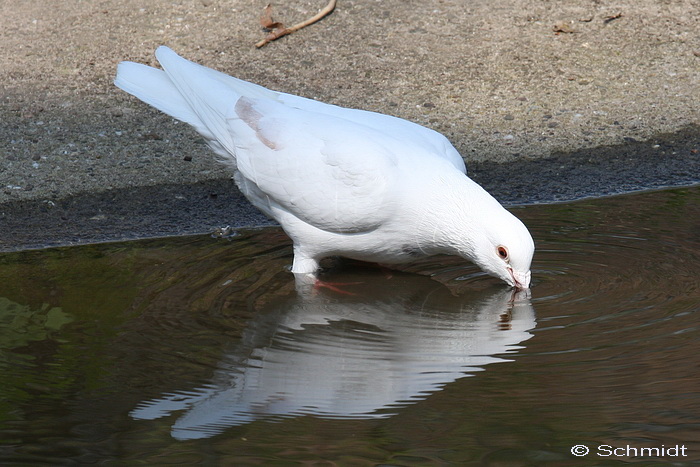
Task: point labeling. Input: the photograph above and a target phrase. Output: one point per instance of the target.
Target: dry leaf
(565, 28)
(266, 19)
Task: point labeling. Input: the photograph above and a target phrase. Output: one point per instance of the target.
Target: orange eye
(502, 252)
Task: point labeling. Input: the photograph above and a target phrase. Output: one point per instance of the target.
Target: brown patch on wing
(244, 109)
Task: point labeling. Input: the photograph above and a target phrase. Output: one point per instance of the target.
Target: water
(199, 351)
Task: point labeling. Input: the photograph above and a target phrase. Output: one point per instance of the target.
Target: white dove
(340, 182)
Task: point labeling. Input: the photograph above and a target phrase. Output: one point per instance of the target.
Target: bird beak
(520, 281)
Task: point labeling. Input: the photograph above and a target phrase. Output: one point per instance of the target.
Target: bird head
(465, 220)
(504, 249)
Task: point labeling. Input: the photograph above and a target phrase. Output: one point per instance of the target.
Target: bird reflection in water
(362, 356)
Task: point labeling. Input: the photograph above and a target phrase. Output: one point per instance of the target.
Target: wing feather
(328, 172)
(387, 124)
(334, 168)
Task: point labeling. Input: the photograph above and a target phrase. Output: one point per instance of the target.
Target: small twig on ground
(278, 29)
(611, 18)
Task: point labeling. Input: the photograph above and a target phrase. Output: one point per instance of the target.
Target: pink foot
(335, 286)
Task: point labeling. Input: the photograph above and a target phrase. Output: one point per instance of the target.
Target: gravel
(546, 101)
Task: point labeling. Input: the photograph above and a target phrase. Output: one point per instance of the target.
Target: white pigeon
(341, 182)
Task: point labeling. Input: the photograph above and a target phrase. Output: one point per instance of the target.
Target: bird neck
(454, 223)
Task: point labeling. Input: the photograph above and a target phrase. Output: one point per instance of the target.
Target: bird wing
(216, 89)
(398, 128)
(333, 167)
(331, 173)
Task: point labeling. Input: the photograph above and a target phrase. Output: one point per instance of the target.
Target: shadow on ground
(168, 210)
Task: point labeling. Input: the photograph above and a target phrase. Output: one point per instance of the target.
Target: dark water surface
(199, 351)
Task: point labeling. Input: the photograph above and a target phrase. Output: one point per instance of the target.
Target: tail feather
(155, 88)
(171, 60)
(192, 93)
(209, 98)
